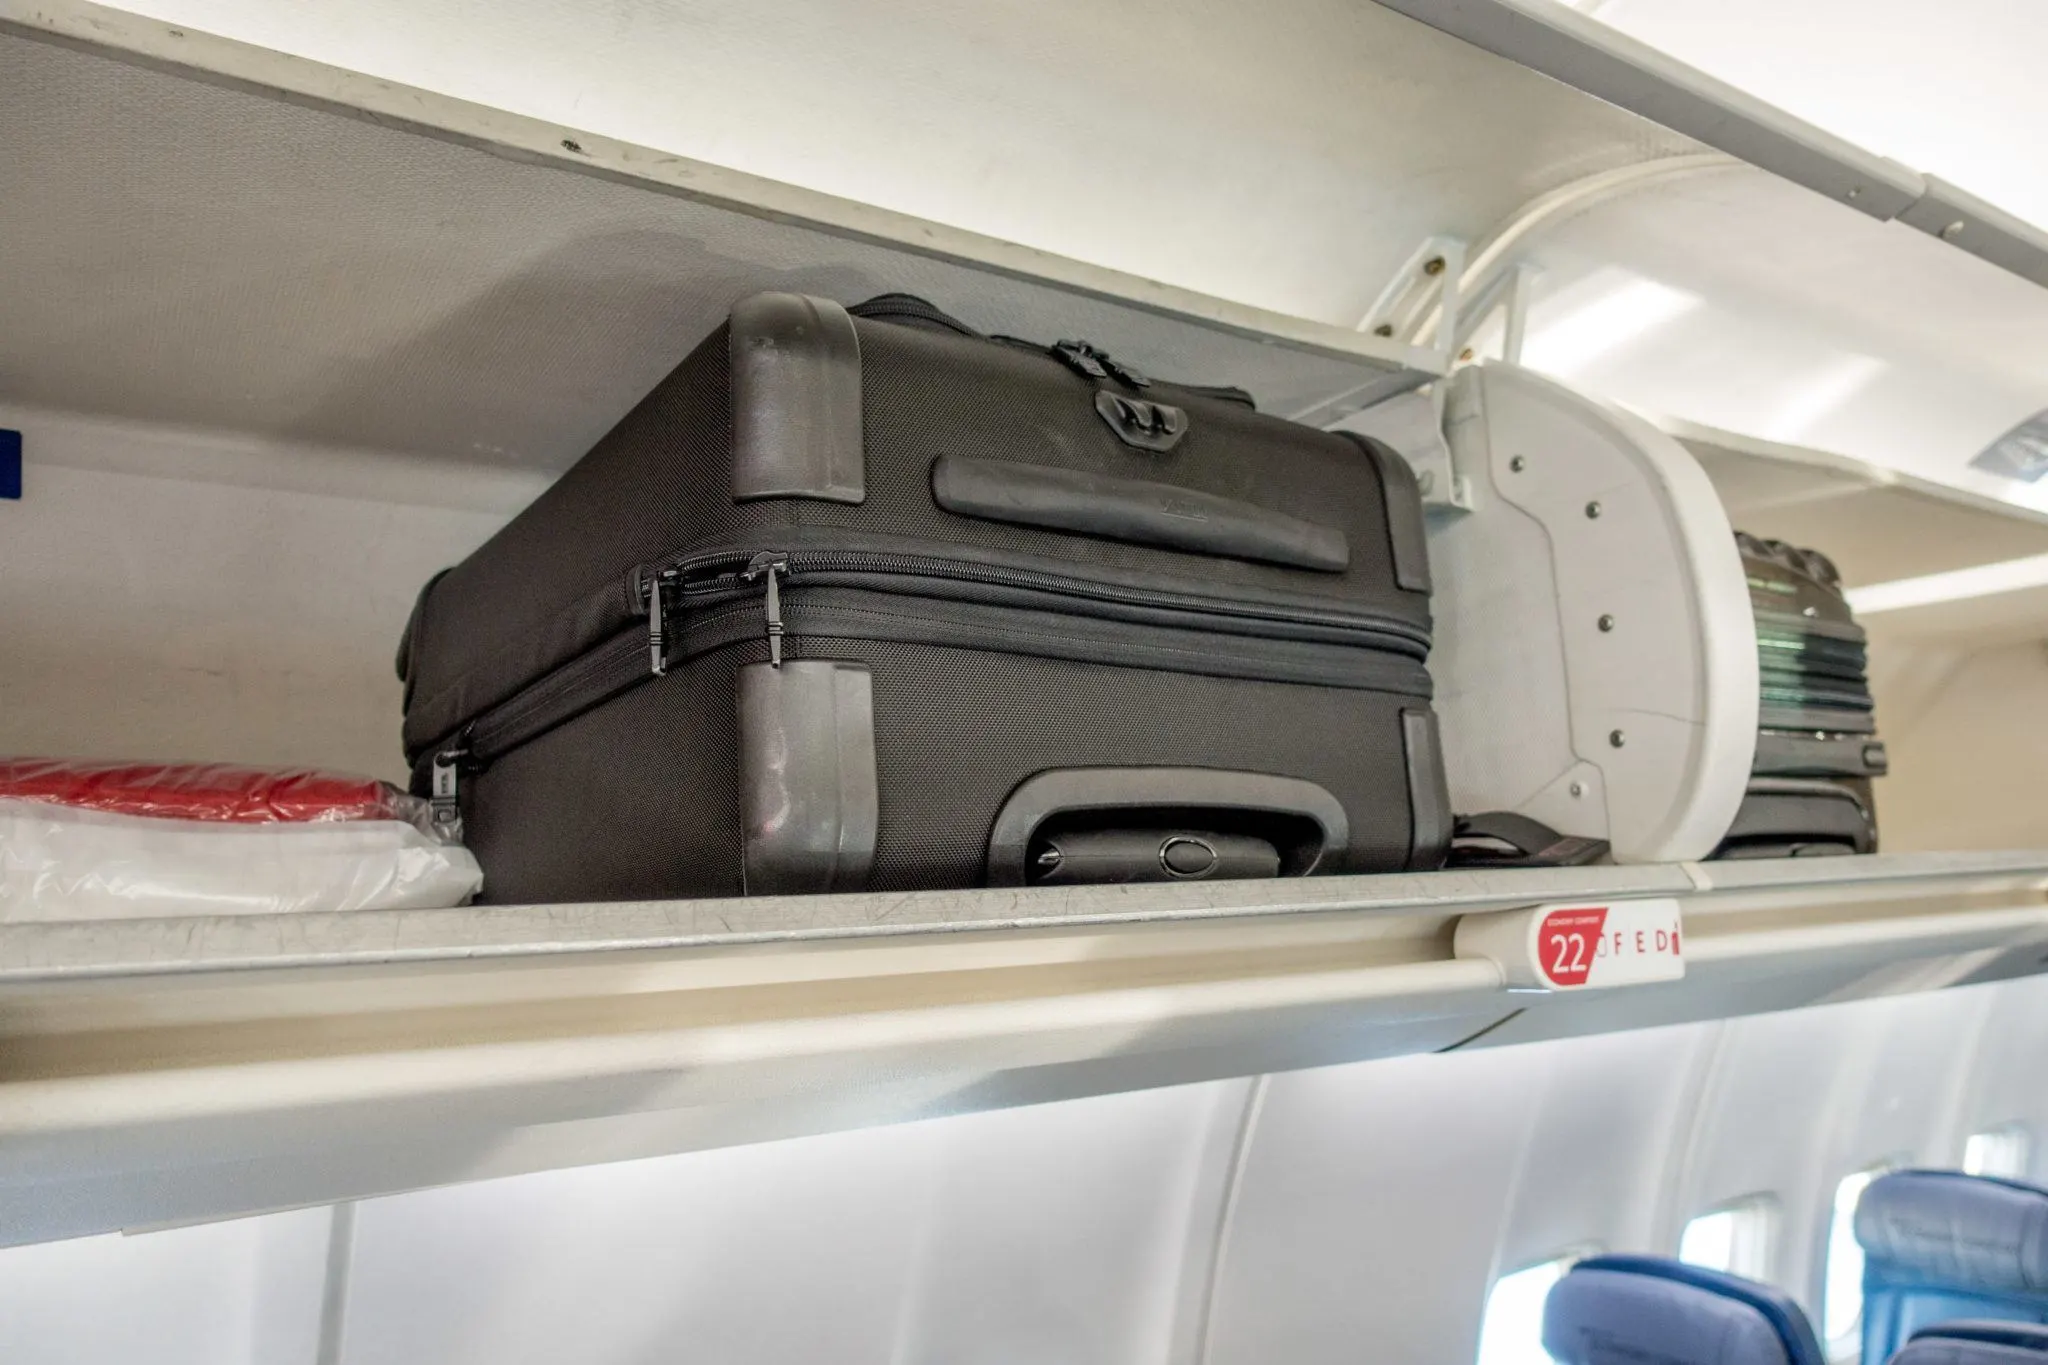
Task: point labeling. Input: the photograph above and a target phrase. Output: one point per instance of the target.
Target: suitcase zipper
(719, 573)
(445, 799)
(655, 591)
(769, 567)
(712, 589)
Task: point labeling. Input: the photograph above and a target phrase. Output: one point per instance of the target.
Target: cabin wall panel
(1613, 1109)
(1369, 1208)
(238, 1293)
(1047, 1233)
(2008, 1070)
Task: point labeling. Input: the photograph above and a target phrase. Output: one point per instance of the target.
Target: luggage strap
(1501, 838)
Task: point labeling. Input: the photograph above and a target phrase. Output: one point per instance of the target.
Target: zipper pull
(657, 622)
(445, 805)
(770, 566)
(1092, 362)
(1079, 357)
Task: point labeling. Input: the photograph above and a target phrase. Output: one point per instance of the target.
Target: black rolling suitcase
(1817, 747)
(859, 598)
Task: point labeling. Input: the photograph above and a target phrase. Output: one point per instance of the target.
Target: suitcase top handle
(1134, 510)
(1083, 358)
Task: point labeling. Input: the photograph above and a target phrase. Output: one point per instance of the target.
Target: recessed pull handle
(1164, 824)
(1149, 855)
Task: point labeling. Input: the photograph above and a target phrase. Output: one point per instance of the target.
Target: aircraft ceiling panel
(1970, 112)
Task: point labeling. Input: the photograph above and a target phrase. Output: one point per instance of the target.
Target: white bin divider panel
(1595, 654)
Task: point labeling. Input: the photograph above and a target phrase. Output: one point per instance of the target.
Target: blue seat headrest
(1943, 1229)
(1611, 1309)
(1977, 1343)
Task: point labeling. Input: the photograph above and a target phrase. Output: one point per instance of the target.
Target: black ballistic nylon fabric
(923, 401)
(661, 481)
(635, 800)
(638, 799)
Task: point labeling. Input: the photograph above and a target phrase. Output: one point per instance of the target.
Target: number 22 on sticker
(1569, 940)
(1568, 952)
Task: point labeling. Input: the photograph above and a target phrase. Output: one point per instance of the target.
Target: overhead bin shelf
(1882, 527)
(205, 232)
(158, 1071)
(44, 953)
(1877, 524)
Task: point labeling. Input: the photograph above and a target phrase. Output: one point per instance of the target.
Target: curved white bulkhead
(1595, 654)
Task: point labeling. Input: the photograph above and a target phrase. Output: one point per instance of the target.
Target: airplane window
(1511, 1333)
(1998, 1151)
(1842, 1291)
(1736, 1239)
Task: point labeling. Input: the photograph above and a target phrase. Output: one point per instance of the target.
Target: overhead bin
(1889, 531)
(278, 1061)
(1879, 524)
(366, 283)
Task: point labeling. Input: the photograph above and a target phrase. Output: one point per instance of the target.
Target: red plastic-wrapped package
(205, 791)
(96, 840)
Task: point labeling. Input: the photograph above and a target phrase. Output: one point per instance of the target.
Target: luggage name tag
(1578, 946)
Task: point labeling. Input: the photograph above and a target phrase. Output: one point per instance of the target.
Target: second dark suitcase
(864, 599)
(1817, 746)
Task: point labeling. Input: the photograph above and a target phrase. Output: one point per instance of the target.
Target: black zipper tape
(853, 614)
(732, 597)
(716, 572)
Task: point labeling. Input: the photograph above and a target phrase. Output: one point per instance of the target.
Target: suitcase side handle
(1303, 821)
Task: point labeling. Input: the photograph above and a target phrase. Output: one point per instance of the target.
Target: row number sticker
(1583, 946)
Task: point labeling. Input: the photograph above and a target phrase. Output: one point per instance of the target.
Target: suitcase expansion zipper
(728, 573)
(736, 594)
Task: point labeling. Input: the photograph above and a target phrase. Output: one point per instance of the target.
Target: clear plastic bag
(91, 841)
